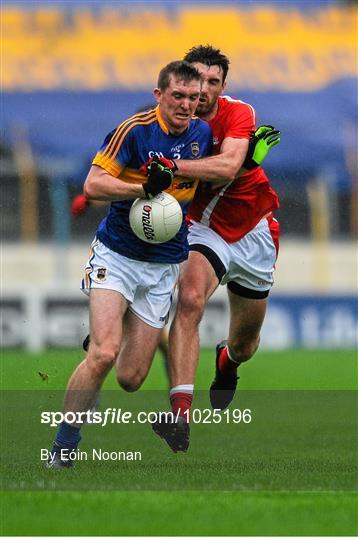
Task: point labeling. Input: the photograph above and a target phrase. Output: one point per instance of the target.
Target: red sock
(225, 362)
(181, 401)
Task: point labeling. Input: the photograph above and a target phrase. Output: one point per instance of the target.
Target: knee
(101, 359)
(128, 380)
(191, 303)
(244, 349)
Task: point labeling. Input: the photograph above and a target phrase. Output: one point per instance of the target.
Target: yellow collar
(161, 121)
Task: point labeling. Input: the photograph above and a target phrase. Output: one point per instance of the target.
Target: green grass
(180, 514)
(292, 471)
(293, 369)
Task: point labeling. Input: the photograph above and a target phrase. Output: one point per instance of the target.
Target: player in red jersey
(233, 240)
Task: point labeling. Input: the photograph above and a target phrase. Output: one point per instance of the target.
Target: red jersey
(235, 208)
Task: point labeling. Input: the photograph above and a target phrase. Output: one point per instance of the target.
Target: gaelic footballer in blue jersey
(122, 154)
(131, 282)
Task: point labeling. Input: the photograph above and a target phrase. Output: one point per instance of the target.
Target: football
(156, 220)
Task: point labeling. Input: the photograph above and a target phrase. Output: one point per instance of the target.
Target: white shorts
(249, 262)
(147, 286)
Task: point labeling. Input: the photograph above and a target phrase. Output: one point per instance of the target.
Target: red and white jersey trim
(233, 209)
(205, 219)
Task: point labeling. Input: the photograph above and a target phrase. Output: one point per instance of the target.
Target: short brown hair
(180, 69)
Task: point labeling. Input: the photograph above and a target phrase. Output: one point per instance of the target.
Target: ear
(224, 86)
(157, 94)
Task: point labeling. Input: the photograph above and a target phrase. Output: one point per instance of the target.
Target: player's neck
(176, 132)
(211, 114)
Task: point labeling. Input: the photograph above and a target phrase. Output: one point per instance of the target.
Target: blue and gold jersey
(123, 152)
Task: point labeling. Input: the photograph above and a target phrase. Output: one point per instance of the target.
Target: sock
(67, 437)
(181, 397)
(226, 363)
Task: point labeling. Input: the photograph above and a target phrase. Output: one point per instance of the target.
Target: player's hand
(79, 205)
(165, 162)
(160, 173)
(260, 143)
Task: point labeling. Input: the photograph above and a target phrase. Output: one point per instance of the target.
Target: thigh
(246, 317)
(197, 276)
(139, 344)
(214, 250)
(107, 309)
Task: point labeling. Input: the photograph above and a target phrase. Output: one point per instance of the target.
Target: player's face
(177, 103)
(211, 88)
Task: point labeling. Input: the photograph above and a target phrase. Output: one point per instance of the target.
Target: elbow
(89, 191)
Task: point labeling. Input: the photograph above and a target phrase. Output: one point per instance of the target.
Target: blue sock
(67, 437)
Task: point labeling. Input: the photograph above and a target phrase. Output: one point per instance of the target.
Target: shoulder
(234, 118)
(233, 108)
(128, 132)
(230, 102)
(235, 105)
(136, 123)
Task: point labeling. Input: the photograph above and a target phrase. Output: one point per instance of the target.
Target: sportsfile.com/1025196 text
(112, 415)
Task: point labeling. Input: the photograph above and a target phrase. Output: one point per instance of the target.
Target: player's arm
(229, 164)
(224, 167)
(100, 185)
(106, 180)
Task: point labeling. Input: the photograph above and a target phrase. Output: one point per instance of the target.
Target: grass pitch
(292, 471)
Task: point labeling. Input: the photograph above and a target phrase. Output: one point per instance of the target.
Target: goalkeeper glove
(260, 143)
(160, 173)
(79, 205)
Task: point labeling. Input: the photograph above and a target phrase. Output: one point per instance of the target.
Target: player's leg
(200, 276)
(107, 308)
(109, 279)
(246, 318)
(249, 280)
(144, 322)
(135, 358)
(197, 282)
(163, 348)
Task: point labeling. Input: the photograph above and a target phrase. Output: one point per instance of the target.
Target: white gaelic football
(156, 220)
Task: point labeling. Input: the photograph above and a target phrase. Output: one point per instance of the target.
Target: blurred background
(73, 70)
